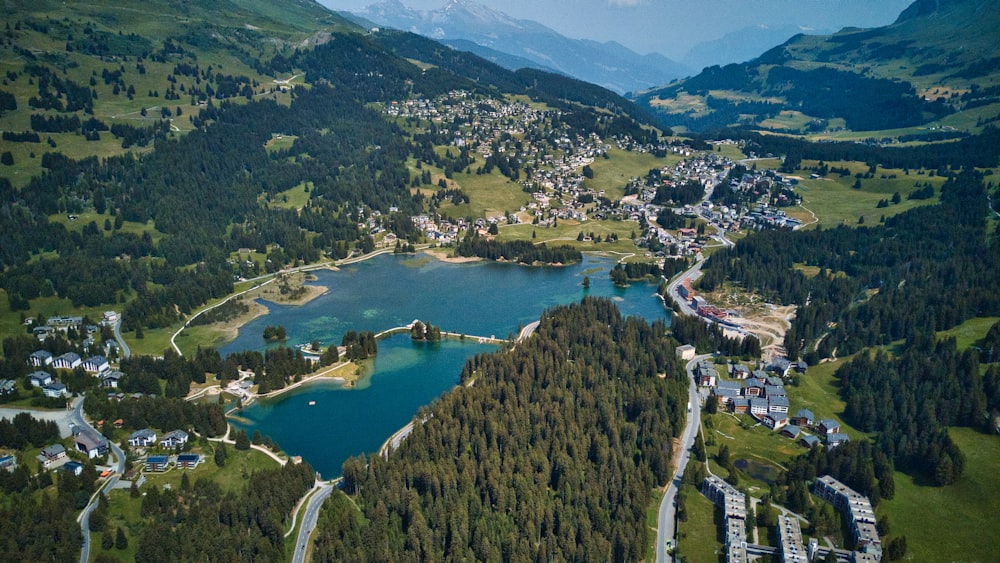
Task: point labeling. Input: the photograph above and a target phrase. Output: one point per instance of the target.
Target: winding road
(76, 417)
(309, 519)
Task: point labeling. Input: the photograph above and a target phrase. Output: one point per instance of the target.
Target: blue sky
(671, 27)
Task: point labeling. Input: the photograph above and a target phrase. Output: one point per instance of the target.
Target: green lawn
(698, 538)
(124, 510)
(969, 332)
(954, 523)
(295, 198)
(836, 202)
(818, 391)
(489, 195)
(613, 173)
(652, 513)
(565, 232)
(749, 440)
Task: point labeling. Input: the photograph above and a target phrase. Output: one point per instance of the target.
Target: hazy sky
(671, 27)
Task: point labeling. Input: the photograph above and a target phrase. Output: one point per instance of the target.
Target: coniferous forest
(548, 452)
(922, 271)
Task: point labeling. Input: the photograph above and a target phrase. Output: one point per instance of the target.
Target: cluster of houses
(99, 366)
(160, 463)
(555, 159)
(85, 440)
(63, 324)
(146, 438)
(762, 396)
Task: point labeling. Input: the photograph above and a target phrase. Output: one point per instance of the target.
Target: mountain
(607, 64)
(934, 70)
(740, 45)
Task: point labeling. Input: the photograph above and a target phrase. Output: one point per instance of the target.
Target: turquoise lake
(478, 298)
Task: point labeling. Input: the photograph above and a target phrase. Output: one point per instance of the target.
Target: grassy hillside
(906, 81)
(139, 63)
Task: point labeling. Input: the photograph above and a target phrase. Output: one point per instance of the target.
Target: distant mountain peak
(607, 64)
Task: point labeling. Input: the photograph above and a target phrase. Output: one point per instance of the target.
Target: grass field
(818, 391)
(489, 195)
(295, 198)
(652, 511)
(835, 202)
(124, 511)
(955, 523)
(565, 232)
(612, 174)
(698, 538)
(969, 332)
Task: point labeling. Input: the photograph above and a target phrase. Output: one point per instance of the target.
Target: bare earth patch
(768, 322)
(445, 256)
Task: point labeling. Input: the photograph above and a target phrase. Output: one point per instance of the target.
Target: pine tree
(121, 542)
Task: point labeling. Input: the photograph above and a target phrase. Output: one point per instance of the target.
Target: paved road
(121, 341)
(309, 521)
(692, 273)
(667, 518)
(76, 417)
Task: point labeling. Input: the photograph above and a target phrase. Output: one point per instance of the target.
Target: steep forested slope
(549, 452)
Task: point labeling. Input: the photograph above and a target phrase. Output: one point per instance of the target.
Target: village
(557, 163)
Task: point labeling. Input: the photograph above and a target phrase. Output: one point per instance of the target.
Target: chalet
(69, 360)
(835, 439)
(759, 375)
(803, 418)
(110, 379)
(774, 391)
(43, 332)
(96, 364)
(754, 389)
(809, 442)
(781, 366)
(791, 431)
(828, 426)
(157, 463)
(739, 371)
(40, 358)
(725, 395)
(774, 421)
(92, 444)
(39, 378)
(55, 390)
(51, 455)
(7, 386)
(741, 405)
(800, 366)
(74, 467)
(8, 462)
(142, 438)
(188, 461)
(736, 386)
(706, 379)
(758, 407)
(777, 405)
(174, 438)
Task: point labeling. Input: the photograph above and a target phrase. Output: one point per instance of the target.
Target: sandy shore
(445, 256)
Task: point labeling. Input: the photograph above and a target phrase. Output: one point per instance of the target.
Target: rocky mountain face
(607, 64)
